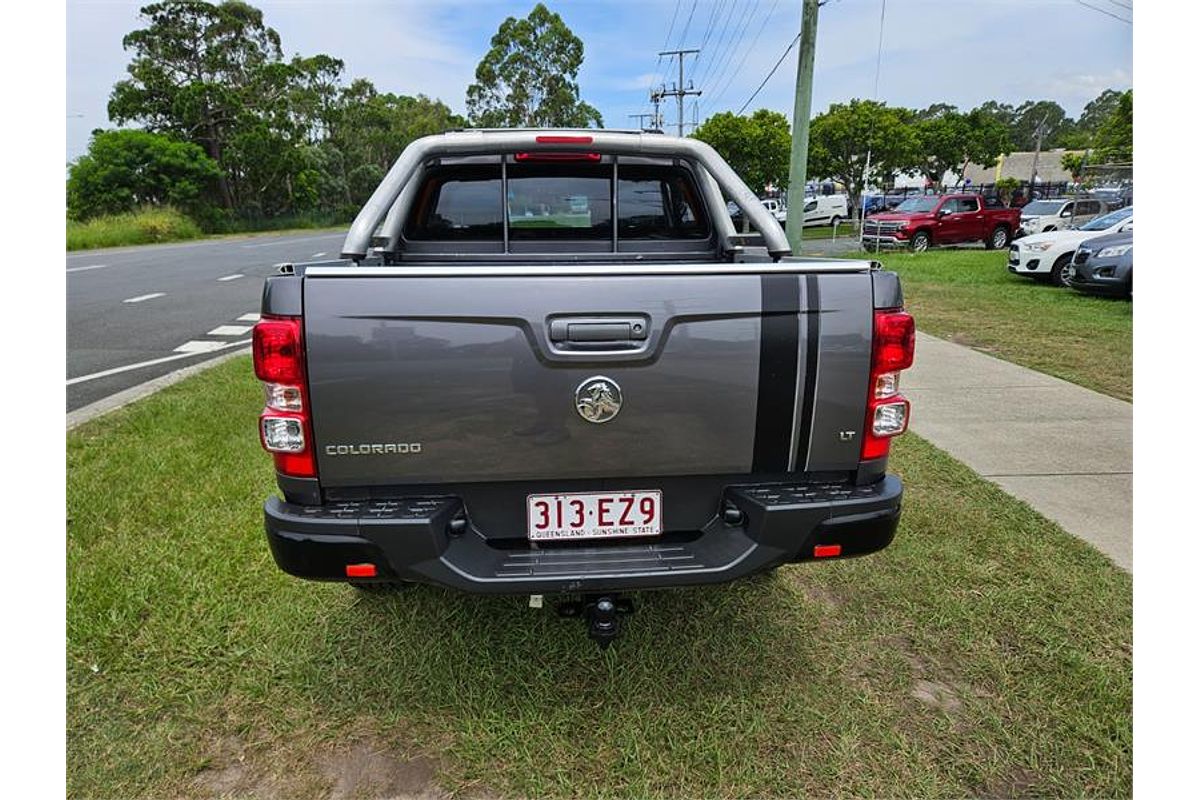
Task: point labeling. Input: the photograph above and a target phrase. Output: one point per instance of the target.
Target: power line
(745, 55)
(1122, 5)
(769, 74)
(720, 47)
(721, 64)
(662, 76)
(715, 14)
(1105, 13)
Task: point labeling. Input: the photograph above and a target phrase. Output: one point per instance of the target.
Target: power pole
(801, 111)
(678, 92)
(641, 118)
(1039, 132)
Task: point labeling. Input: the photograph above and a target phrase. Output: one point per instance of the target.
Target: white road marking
(232, 277)
(143, 297)
(152, 362)
(228, 330)
(316, 255)
(293, 241)
(198, 346)
(85, 269)
(249, 318)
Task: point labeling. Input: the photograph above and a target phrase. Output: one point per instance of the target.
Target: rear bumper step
(411, 539)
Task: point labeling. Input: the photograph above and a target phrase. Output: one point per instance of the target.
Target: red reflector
(360, 571)
(277, 357)
(524, 157)
(827, 550)
(297, 465)
(551, 139)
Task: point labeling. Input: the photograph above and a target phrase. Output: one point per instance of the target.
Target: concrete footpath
(1065, 450)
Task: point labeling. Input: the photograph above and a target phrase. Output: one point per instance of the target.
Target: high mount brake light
(528, 157)
(284, 427)
(892, 349)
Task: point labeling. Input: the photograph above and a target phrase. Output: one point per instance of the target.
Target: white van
(825, 209)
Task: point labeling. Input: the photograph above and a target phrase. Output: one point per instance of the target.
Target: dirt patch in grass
(343, 771)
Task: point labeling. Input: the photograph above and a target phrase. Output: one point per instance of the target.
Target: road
(137, 313)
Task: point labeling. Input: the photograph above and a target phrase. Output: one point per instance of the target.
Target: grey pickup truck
(547, 363)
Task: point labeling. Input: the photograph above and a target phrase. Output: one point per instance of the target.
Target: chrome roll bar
(382, 206)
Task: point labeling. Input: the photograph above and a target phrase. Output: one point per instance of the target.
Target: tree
(1029, 114)
(126, 169)
(840, 138)
(758, 147)
(527, 78)
(1114, 137)
(193, 69)
(1098, 110)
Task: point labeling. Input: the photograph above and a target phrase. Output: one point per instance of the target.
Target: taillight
(277, 356)
(284, 427)
(892, 346)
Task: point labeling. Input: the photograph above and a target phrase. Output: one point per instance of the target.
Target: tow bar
(602, 614)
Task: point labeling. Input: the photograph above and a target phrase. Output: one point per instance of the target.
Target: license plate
(594, 515)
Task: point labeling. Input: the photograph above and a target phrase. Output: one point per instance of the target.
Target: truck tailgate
(464, 374)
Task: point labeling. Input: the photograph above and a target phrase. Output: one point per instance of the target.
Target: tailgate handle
(574, 331)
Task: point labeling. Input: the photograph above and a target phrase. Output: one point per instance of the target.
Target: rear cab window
(547, 202)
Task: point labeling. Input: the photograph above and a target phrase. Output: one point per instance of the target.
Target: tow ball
(602, 613)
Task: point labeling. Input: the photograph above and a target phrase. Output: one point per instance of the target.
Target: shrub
(144, 226)
(124, 170)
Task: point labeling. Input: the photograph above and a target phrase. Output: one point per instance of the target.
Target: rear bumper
(409, 539)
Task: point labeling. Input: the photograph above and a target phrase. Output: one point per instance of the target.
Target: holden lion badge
(598, 399)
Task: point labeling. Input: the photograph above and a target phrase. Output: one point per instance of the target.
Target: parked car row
(1095, 257)
(826, 209)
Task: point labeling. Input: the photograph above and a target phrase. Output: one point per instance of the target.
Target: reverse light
(282, 434)
(891, 419)
(887, 384)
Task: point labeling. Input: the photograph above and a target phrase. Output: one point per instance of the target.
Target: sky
(964, 52)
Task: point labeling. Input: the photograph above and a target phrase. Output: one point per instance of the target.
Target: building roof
(1020, 166)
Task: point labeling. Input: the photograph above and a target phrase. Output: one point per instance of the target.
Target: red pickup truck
(922, 221)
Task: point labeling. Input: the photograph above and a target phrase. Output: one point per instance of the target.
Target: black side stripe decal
(812, 347)
(778, 357)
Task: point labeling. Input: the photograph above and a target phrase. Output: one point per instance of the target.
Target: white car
(825, 209)
(1046, 256)
(1042, 216)
(777, 208)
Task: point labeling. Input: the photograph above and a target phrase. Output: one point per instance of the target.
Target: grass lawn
(969, 296)
(985, 653)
